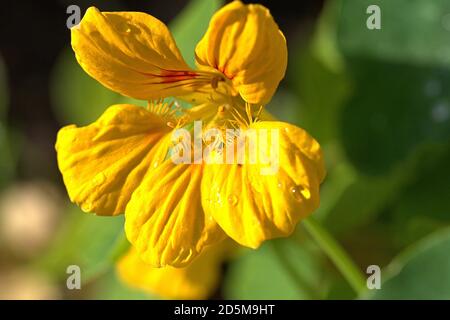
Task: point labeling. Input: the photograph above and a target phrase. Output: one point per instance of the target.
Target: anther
(215, 82)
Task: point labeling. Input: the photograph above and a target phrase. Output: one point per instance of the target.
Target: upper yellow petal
(246, 45)
(252, 205)
(164, 219)
(131, 53)
(103, 163)
(196, 281)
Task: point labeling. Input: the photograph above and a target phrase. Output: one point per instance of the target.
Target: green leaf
(322, 92)
(320, 79)
(402, 79)
(280, 269)
(324, 44)
(395, 109)
(361, 200)
(76, 97)
(421, 272)
(412, 191)
(412, 31)
(109, 287)
(423, 206)
(86, 240)
(191, 24)
(428, 194)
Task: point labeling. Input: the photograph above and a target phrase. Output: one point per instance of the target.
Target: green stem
(337, 255)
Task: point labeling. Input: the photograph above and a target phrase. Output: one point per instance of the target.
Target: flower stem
(337, 255)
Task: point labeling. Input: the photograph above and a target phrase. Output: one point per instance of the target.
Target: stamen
(215, 82)
(171, 111)
(246, 119)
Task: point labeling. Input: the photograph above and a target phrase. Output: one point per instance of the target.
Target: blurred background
(378, 101)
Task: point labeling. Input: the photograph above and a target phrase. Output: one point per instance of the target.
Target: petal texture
(253, 205)
(246, 45)
(103, 163)
(131, 53)
(165, 221)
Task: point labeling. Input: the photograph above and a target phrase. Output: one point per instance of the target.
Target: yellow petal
(131, 53)
(164, 219)
(196, 281)
(252, 203)
(103, 163)
(245, 44)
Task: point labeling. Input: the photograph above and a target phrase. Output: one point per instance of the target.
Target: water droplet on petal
(299, 193)
(124, 28)
(280, 184)
(218, 198)
(306, 193)
(232, 200)
(215, 196)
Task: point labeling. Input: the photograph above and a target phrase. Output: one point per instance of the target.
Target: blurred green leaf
(76, 97)
(402, 80)
(191, 24)
(428, 194)
(280, 269)
(423, 205)
(285, 106)
(421, 272)
(363, 198)
(320, 80)
(322, 92)
(415, 188)
(324, 44)
(109, 287)
(412, 31)
(394, 110)
(86, 240)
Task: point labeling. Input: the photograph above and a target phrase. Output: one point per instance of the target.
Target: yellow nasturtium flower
(198, 280)
(121, 163)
